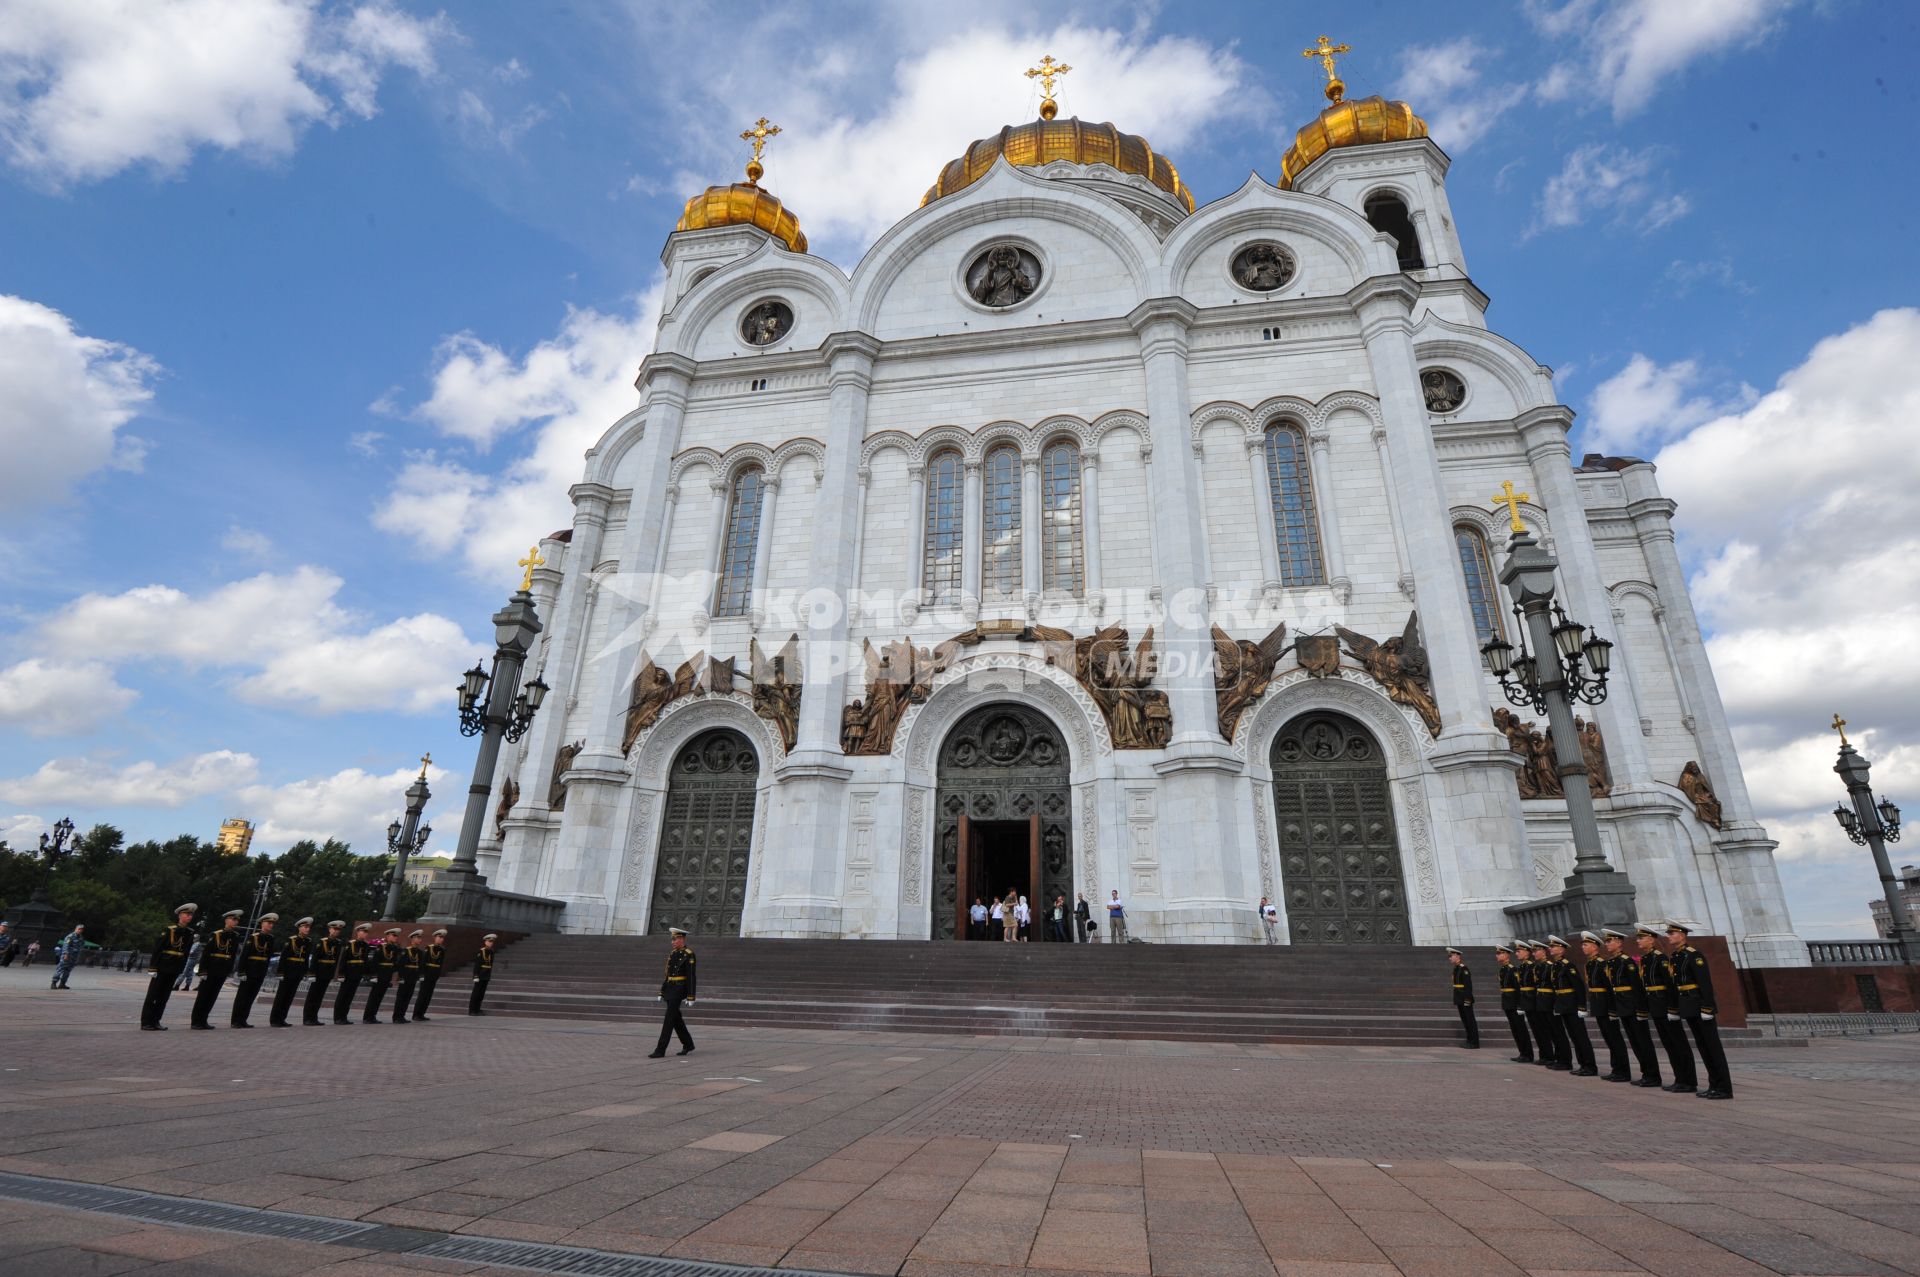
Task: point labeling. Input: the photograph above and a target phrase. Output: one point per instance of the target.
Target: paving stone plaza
(922, 1154)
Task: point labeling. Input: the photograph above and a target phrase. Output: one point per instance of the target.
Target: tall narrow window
(945, 528)
(1295, 525)
(1386, 213)
(1062, 561)
(1476, 565)
(1000, 524)
(742, 539)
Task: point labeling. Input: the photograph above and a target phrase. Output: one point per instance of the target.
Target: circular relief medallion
(1444, 390)
(766, 323)
(1263, 266)
(1003, 275)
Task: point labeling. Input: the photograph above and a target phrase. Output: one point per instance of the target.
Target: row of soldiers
(414, 969)
(1548, 998)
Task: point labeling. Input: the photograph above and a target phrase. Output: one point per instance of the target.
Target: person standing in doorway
(1463, 998)
(1010, 917)
(1270, 920)
(1023, 914)
(977, 920)
(676, 990)
(1082, 918)
(482, 974)
(1116, 918)
(1057, 918)
(66, 953)
(995, 917)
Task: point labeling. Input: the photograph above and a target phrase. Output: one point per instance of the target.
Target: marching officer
(295, 958)
(1510, 1002)
(482, 973)
(324, 963)
(169, 959)
(1555, 1052)
(256, 952)
(410, 963)
(385, 961)
(1693, 982)
(1569, 1006)
(1463, 998)
(1663, 1010)
(678, 988)
(431, 966)
(1630, 1001)
(353, 969)
(216, 963)
(1600, 1007)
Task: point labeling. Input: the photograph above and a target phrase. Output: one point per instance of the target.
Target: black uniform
(675, 989)
(217, 957)
(295, 956)
(169, 959)
(1569, 996)
(255, 954)
(1600, 1007)
(431, 965)
(1656, 975)
(407, 969)
(352, 971)
(384, 961)
(324, 963)
(482, 976)
(1510, 1007)
(1694, 984)
(1536, 1001)
(1630, 1001)
(1463, 1003)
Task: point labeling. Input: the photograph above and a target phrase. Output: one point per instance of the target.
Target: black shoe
(1559, 1066)
(208, 1027)
(477, 1013)
(1522, 1059)
(398, 1019)
(1619, 1077)
(158, 1028)
(242, 1025)
(148, 1028)
(686, 1050)
(1716, 1095)
(278, 1024)
(418, 1018)
(1649, 1081)
(1675, 1087)
(656, 1055)
(338, 1020)
(1584, 1072)
(313, 1023)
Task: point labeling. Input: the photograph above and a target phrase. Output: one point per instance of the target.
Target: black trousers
(1553, 1046)
(343, 1001)
(479, 993)
(376, 994)
(283, 997)
(159, 989)
(1640, 1037)
(1522, 1038)
(1673, 1037)
(1706, 1034)
(212, 978)
(1470, 1023)
(1616, 1040)
(316, 998)
(1575, 1030)
(404, 999)
(243, 997)
(675, 1023)
(428, 983)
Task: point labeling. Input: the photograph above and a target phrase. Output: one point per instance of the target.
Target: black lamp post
(1874, 824)
(405, 839)
(39, 918)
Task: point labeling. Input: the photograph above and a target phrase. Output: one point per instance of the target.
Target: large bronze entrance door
(1339, 862)
(1004, 816)
(706, 839)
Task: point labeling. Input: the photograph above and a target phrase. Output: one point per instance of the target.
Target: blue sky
(308, 310)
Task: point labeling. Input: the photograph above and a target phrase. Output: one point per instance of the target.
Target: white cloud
(1646, 403)
(90, 89)
(247, 542)
(367, 442)
(1443, 83)
(1631, 48)
(22, 832)
(66, 398)
(1600, 179)
(90, 782)
(410, 665)
(352, 805)
(60, 698)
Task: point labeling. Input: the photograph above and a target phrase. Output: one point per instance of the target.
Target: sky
(308, 311)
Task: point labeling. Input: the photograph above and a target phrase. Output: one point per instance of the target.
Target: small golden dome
(1358, 123)
(1078, 141)
(743, 204)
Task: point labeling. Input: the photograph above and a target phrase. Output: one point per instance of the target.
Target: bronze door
(706, 837)
(1339, 860)
(1003, 797)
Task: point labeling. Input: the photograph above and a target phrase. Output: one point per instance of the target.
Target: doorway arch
(701, 875)
(1339, 855)
(1003, 814)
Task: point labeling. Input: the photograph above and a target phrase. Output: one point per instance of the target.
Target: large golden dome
(1078, 141)
(1368, 120)
(743, 204)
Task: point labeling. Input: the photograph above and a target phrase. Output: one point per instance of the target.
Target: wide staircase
(1370, 995)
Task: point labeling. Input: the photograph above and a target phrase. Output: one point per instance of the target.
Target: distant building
(420, 872)
(236, 836)
(1909, 877)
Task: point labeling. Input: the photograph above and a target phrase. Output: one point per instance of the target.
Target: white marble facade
(1139, 346)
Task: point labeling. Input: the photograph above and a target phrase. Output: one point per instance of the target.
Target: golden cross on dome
(1840, 725)
(1047, 72)
(426, 760)
(533, 560)
(1511, 499)
(762, 129)
(1325, 51)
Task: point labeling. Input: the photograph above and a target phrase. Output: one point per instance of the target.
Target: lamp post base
(1598, 898)
(460, 897)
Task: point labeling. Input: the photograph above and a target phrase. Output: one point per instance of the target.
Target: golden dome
(1358, 123)
(1045, 140)
(743, 204)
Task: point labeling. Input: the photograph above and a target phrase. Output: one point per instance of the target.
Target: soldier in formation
(382, 965)
(676, 990)
(1511, 992)
(410, 963)
(1463, 998)
(216, 964)
(326, 961)
(1601, 1008)
(353, 969)
(482, 974)
(296, 956)
(430, 969)
(256, 954)
(169, 959)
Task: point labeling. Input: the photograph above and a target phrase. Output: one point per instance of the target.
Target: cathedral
(1083, 539)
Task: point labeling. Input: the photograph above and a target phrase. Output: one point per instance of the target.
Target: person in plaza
(1116, 918)
(66, 953)
(1656, 976)
(1509, 975)
(409, 965)
(169, 956)
(482, 974)
(296, 958)
(382, 965)
(256, 952)
(1082, 917)
(33, 951)
(1057, 917)
(323, 965)
(1270, 920)
(1601, 1009)
(185, 979)
(995, 918)
(676, 990)
(356, 966)
(977, 920)
(1569, 1008)
(1698, 1008)
(432, 963)
(1010, 917)
(1630, 1000)
(1023, 914)
(216, 964)
(6, 945)
(1537, 994)
(1463, 998)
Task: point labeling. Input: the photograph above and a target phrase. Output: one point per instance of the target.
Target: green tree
(89, 901)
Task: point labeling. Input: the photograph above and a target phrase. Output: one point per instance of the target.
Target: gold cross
(533, 560)
(1047, 72)
(425, 761)
(1840, 725)
(1325, 51)
(762, 130)
(1511, 499)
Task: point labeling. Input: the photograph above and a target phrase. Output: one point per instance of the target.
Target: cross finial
(426, 760)
(1325, 51)
(532, 561)
(1511, 499)
(1047, 72)
(762, 129)
(1840, 725)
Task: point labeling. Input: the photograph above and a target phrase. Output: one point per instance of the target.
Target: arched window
(1062, 560)
(742, 539)
(1295, 525)
(1476, 565)
(945, 527)
(1387, 213)
(1000, 522)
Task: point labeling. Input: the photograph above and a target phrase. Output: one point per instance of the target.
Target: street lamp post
(405, 839)
(39, 918)
(1874, 825)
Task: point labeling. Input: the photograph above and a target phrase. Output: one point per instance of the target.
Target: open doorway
(997, 857)
(1004, 816)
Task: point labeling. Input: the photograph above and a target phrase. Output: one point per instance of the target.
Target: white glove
(1583, 1015)
(1706, 1015)
(1672, 1015)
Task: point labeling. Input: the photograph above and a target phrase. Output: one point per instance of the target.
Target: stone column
(972, 541)
(1031, 532)
(714, 559)
(1320, 445)
(1265, 534)
(1393, 512)
(864, 474)
(1090, 522)
(916, 536)
(763, 546)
